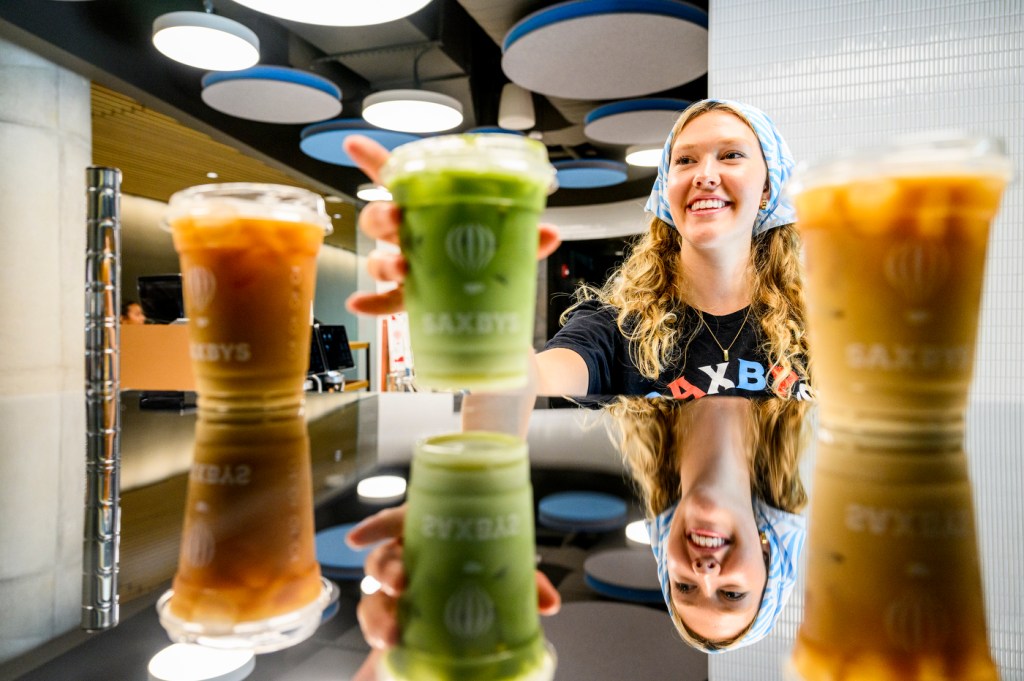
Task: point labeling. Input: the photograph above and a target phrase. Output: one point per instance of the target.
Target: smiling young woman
(710, 299)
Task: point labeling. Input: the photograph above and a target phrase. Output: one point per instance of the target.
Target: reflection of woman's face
(714, 556)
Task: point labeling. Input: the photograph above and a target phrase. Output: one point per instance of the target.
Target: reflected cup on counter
(248, 260)
(469, 609)
(894, 245)
(470, 206)
(894, 589)
(247, 571)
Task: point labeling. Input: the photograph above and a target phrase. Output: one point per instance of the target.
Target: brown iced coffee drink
(895, 256)
(248, 262)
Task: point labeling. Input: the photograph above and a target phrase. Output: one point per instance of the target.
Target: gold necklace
(725, 351)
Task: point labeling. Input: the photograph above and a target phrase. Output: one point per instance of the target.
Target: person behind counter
(710, 299)
(721, 488)
(131, 313)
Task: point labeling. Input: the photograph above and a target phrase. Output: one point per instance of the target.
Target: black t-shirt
(700, 369)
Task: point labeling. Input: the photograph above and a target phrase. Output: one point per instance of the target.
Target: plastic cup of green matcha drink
(469, 609)
(470, 206)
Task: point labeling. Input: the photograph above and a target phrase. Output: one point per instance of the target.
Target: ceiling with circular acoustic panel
(633, 121)
(272, 94)
(607, 49)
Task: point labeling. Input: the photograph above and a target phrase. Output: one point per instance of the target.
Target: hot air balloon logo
(917, 269)
(917, 621)
(469, 612)
(470, 247)
(200, 285)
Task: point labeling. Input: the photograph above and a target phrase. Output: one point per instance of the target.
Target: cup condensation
(894, 245)
(470, 206)
(247, 572)
(248, 261)
(469, 608)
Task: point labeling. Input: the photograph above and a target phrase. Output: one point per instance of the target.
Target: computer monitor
(160, 298)
(329, 349)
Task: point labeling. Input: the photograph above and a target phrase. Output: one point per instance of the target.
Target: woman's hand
(379, 220)
(378, 612)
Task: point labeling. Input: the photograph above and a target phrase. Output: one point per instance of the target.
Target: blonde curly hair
(649, 292)
(650, 434)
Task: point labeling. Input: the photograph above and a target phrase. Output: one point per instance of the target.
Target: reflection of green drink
(469, 611)
(470, 205)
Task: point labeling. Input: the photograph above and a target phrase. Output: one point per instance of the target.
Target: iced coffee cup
(469, 609)
(894, 589)
(247, 571)
(470, 205)
(895, 241)
(248, 262)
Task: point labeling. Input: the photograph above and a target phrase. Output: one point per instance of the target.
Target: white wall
(853, 72)
(45, 146)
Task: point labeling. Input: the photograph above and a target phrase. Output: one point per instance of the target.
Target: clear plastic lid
(249, 199)
(474, 153)
(925, 154)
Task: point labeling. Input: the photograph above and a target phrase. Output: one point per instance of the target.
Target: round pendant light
(324, 141)
(206, 41)
(607, 49)
(191, 662)
(644, 155)
(272, 94)
(335, 13)
(590, 173)
(412, 111)
(372, 192)
(633, 121)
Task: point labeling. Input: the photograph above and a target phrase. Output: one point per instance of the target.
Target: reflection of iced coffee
(248, 261)
(895, 253)
(894, 587)
(247, 560)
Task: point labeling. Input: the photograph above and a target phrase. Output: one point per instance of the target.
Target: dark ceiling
(108, 41)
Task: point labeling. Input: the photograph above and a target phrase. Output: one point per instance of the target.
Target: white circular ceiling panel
(603, 49)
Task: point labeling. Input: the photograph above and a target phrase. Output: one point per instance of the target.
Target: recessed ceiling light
(412, 111)
(334, 13)
(206, 41)
(381, 487)
(212, 175)
(647, 156)
(372, 192)
(336, 216)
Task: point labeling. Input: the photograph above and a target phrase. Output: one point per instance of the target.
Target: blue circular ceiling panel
(633, 121)
(607, 49)
(272, 94)
(589, 174)
(323, 141)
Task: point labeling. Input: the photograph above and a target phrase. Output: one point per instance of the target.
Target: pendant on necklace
(725, 355)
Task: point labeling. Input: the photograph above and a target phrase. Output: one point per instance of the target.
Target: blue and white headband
(786, 533)
(780, 210)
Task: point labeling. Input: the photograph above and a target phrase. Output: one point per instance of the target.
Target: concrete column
(45, 146)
